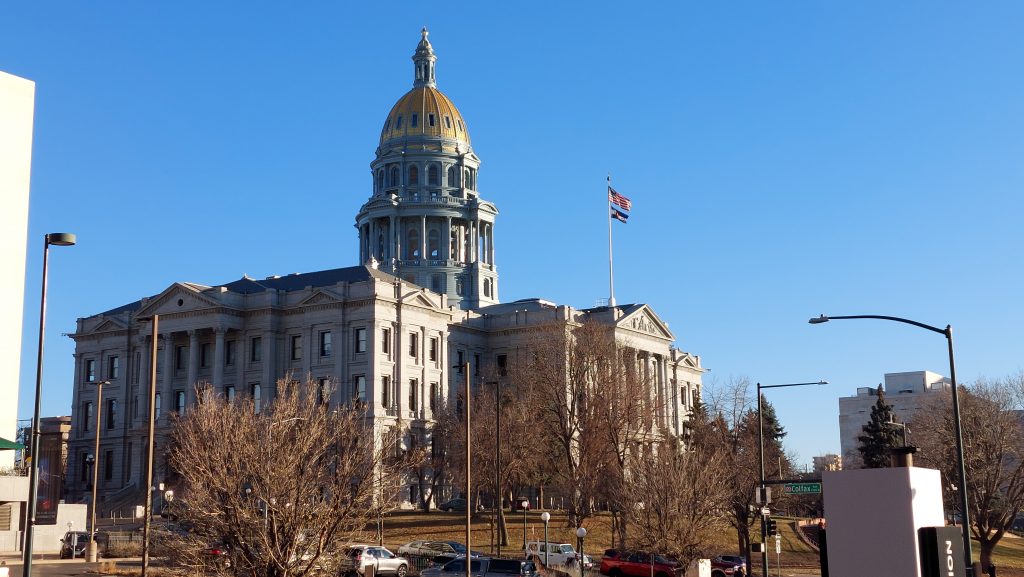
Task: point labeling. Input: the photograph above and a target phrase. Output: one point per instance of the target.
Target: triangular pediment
(109, 325)
(178, 298)
(418, 298)
(320, 297)
(642, 319)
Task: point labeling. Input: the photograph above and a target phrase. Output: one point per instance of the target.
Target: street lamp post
(90, 555)
(56, 239)
(150, 444)
(525, 505)
(958, 432)
(580, 534)
(762, 495)
(545, 516)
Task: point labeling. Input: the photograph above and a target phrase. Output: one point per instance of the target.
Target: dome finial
(424, 61)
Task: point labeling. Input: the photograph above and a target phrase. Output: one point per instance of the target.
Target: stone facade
(386, 333)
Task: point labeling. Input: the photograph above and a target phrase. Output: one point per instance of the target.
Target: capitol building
(388, 333)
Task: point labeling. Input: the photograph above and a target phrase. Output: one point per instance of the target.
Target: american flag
(618, 199)
(619, 215)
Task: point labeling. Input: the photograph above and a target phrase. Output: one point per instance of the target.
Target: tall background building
(17, 105)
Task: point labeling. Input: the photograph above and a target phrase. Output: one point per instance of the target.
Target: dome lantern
(424, 60)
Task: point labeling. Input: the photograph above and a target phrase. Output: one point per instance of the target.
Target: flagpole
(611, 268)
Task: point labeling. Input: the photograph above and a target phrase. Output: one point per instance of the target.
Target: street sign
(801, 488)
(763, 498)
(778, 544)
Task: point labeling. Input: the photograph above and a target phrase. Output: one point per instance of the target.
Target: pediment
(644, 320)
(418, 298)
(109, 325)
(320, 297)
(178, 298)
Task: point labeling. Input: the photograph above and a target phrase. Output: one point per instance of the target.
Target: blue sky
(784, 159)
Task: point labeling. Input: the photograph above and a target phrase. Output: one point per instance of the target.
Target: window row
(413, 173)
(113, 369)
(432, 120)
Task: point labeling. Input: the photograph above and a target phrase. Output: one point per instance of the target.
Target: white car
(557, 553)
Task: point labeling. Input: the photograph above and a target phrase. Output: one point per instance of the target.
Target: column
(146, 350)
(193, 367)
(218, 360)
(168, 388)
(447, 239)
(423, 239)
(268, 382)
(241, 358)
(472, 239)
(393, 245)
(340, 344)
(312, 348)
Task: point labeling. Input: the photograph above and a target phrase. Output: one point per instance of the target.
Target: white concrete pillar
(268, 381)
(218, 360)
(423, 239)
(193, 367)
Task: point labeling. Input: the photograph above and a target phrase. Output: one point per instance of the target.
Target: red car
(617, 563)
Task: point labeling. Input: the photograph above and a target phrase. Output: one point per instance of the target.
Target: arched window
(453, 249)
(453, 176)
(380, 245)
(414, 175)
(433, 178)
(434, 244)
(469, 179)
(380, 179)
(412, 248)
(393, 177)
(487, 288)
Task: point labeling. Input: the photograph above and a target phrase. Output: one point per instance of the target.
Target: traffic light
(772, 528)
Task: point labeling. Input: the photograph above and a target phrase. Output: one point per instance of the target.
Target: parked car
(557, 553)
(482, 567)
(616, 563)
(720, 567)
(358, 557)
(433, 548)
(73, 543)
(734, 560)
(457, 504)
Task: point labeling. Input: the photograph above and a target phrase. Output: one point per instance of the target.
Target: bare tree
(992, 422)
(284, 487)
(678, 497)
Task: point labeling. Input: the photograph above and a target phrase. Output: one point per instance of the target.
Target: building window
(453, 176)
(460, 125)
(414, 345)
(111, 413)
(137, 367)
(433, 175)
(398, 123)
(323, 391)
(503, 365)
(359, 388)
(412, 249)
(157, 405)
(461, 360)
(435, 393)
(113, 368)
(414, 174)
(430, 118)
(436, 283)
(385, 392)
(435, 344)
(360, 340)
(296, 347)
(179, 358)
(90, 371)
(229, 353)
(108, 465)
(204, 355)
(393, 176)
(255, 349)
(325, 343)
(413, 396)
(448, 122)
(229, 393)
(385, 341)
(88, 417)
(476, 364)
(414, 121)
(434, 244)
(179, 402)
(487, 287)
(257, 397)
(135, 407)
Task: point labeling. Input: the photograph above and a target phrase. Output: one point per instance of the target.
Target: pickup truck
(482, 567)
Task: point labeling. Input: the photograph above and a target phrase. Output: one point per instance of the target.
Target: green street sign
(801, 488)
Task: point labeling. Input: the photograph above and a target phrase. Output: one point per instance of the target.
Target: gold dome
(424, 111)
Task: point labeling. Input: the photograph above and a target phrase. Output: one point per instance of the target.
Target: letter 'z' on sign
(801, 488)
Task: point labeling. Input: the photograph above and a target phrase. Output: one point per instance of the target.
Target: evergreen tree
(879, 437)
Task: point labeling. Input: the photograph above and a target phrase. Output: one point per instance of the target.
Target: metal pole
(762, 493)
(545, 544)
(497, 460)
(149, 454)
(469, 465)
(91, 543)
(522, 504)
(964, 514)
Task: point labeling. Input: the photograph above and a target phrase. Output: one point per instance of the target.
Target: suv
(73, 544)
(557, 553)
(728, 566)
(482, 567)
(639, 564)
(358, 557)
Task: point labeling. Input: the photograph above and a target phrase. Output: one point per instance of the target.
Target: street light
(762, 495)
(580, 534)
(948, 333)
(545, 516)
(524, 504)
(91, 544)
(56, 239)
